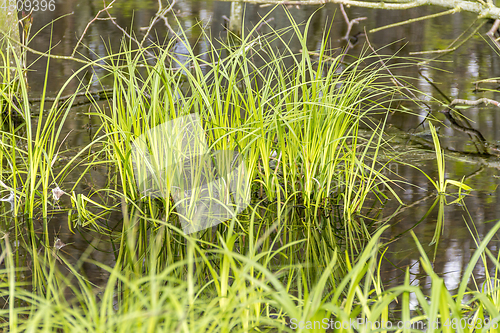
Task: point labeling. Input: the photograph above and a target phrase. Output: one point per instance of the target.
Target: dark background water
(454, 74)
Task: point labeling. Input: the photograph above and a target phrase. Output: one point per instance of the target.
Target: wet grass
(294, 118)
(230, 287)
(298, 253)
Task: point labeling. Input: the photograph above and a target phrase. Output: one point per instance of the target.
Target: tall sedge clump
(30, 151)
(144, 96)
(292, 116)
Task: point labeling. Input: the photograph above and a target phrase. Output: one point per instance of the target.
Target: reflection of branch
(454, 123)
(398, 83)
(491, 161)
(96, 18)
(350, 24)
(486, 148)
(476, 136)
(481, 144)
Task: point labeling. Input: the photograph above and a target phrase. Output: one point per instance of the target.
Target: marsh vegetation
(311, 129)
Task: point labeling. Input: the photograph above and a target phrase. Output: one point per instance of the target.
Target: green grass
(294, 117)
(227, 288)
(442, 183)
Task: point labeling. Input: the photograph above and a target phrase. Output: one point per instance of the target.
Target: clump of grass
(30, 148)
(32, 140)
(297, 128)
(293, 117)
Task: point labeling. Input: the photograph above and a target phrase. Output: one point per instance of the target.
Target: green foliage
(229, 288)
(442, 183)
(295, 118)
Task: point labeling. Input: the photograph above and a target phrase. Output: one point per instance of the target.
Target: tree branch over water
(483, 9)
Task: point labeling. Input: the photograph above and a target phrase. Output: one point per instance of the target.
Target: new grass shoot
(442, 183)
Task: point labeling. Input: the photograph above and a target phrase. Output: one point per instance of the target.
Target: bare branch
(447, 12)
(160, 14)
(491, 33)
(482, 9)
(486, 101)
(350, 24)
(112, 19)
(105, 9)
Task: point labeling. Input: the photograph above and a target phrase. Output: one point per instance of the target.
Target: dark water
(453, 74)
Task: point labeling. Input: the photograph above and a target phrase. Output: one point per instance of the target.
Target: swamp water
(454, 75)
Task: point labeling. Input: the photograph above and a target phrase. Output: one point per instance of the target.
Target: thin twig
(491, 33)
(350, 24)
(486, 101)
(112, 19)
(105, 9)
(264, 22)
(476, 83)
(398, 83)
(429, 81)
(165, 21)
(479, 141)
(160, 14)
(447, 12)
(53, 56)
(487, 81)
